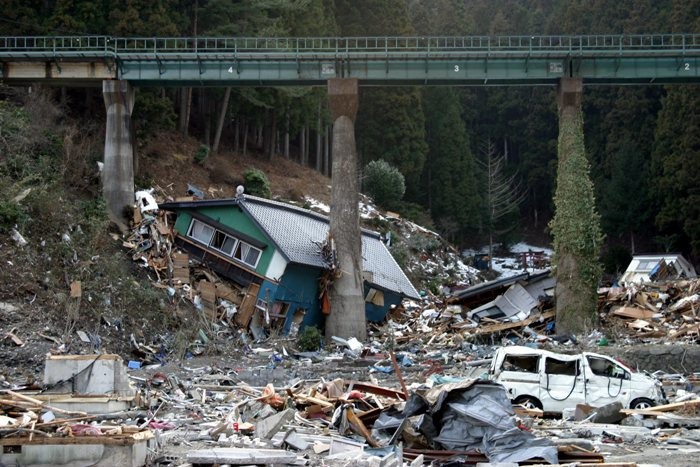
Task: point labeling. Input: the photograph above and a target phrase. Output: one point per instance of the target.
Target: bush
(152, 113)
(11, 213)
(256, 183)
(201, 154)
(309, 339)
(384, 183)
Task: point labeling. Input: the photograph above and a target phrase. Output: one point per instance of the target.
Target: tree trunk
(318, 139)
(302, 147)
(245, 138)
(220, 123)
(326, 152)
(632, 246)
(188, 112)
(183, 108)
(286, 135)
(237, 135)
(273, 136)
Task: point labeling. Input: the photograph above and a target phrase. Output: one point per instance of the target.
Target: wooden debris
(13, 337)
(677, 406)
(632, 312)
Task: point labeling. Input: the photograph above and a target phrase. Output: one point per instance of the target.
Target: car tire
(642, 403)
(528, 402)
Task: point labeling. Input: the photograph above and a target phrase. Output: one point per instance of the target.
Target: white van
(552, 382)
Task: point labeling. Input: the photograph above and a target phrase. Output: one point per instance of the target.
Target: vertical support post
(576, 223)
(347, 317)
(118, 170)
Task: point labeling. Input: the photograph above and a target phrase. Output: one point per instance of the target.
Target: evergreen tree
(624, 167)
(449, 187)
(676, 166)
(390, 121)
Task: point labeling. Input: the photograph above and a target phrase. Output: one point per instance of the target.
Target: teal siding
(237, 220)
(299, 287)
(378, 313)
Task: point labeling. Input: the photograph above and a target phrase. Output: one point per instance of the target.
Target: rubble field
(229, 386)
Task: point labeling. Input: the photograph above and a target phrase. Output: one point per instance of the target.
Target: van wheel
(641, 404)
(528, 402)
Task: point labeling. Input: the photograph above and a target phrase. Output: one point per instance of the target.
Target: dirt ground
(170, 157)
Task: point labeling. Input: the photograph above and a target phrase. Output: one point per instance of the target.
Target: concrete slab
(95, 451)
(240, 456)
(87, 404)
(267, 427)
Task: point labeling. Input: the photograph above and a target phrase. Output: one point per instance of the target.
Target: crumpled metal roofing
(300, 234)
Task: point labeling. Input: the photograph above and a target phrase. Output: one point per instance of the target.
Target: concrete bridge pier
(575, 293)
(118, 170)
(347, 316)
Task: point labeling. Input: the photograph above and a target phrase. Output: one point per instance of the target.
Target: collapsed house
(283, 255)
(658, 267)
(509, 299)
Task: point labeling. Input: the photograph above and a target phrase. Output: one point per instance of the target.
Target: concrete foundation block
(87, 375)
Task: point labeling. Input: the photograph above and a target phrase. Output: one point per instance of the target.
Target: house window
(376, 297)
(247, 254)
(201, 232)
(226, 244)
(222, 242)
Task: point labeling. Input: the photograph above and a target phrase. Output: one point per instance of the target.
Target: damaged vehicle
(553, 382)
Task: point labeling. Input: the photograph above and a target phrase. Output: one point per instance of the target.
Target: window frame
(191, 228)
(237, 245)
(240, 246)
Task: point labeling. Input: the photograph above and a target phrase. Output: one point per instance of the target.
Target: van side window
(554, 366)
(523, 363)
(603, 367)
(600, 366)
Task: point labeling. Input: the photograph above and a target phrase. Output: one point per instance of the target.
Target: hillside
(69, 285)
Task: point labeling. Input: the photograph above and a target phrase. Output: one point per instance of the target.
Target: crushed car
(553, 382)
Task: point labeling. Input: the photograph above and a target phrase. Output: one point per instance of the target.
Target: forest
(642, 142)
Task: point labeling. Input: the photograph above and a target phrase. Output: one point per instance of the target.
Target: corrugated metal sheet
(515, 305)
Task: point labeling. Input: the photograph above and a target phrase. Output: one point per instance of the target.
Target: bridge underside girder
(451, 71)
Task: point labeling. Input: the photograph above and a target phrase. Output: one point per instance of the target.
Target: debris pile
(86, 405)
(653, 310)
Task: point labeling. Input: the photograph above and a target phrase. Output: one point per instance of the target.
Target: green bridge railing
(177, 47)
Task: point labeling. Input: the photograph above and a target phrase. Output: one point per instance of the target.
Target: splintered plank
(247, 308)
(492, 328)
(634, 313)
(663, 408)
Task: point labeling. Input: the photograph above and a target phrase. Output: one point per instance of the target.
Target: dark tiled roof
(299, 234)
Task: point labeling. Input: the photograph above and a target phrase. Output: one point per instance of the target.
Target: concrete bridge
(118, 64)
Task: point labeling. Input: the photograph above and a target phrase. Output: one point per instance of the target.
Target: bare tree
(503, 193)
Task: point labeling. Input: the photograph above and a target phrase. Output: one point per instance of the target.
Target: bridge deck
(467, 60)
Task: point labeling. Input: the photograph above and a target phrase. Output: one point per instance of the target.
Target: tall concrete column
(576, 223)
(118, 170)
(347, 317)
